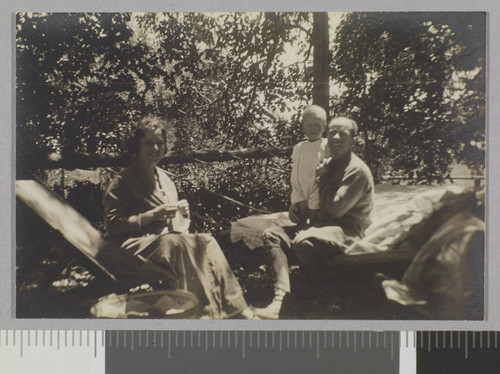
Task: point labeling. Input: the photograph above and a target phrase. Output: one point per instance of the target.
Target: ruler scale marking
(118, 340)
(169, 355)
(466, 346)
(243, 344)
(392, 345)
(317, 346)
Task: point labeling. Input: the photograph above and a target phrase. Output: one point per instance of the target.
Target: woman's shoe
(272, 311)
(246, 313)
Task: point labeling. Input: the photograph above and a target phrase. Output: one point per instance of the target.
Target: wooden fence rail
(89, 161)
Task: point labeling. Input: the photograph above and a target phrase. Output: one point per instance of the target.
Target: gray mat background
(7, 158)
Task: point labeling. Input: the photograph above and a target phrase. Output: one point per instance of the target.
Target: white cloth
(306, 157)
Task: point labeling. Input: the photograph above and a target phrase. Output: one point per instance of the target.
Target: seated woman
(140, 205)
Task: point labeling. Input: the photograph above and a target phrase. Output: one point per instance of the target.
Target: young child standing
(306, 157)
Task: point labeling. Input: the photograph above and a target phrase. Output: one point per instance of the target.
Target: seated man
(346, 188)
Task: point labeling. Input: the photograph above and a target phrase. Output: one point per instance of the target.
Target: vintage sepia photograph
(261, 166)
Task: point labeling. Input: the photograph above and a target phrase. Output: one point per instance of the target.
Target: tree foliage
(83, 79)
(415, 84)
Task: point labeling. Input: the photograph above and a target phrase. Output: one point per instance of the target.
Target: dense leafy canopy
(414, 82)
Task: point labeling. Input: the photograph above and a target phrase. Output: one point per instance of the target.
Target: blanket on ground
(396, 209)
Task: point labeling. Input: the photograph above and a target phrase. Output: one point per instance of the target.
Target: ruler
(152, 352)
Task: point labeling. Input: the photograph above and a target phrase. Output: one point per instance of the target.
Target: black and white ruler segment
(152, 352)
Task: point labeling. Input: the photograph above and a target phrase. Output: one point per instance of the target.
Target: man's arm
(354, 185)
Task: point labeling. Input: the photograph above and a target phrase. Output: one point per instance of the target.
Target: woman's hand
(160, 213)
(183, 207)
(165, 211)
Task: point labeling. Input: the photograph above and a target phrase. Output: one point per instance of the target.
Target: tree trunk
(321, 63)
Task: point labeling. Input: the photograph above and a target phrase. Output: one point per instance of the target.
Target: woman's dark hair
(151, 123)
